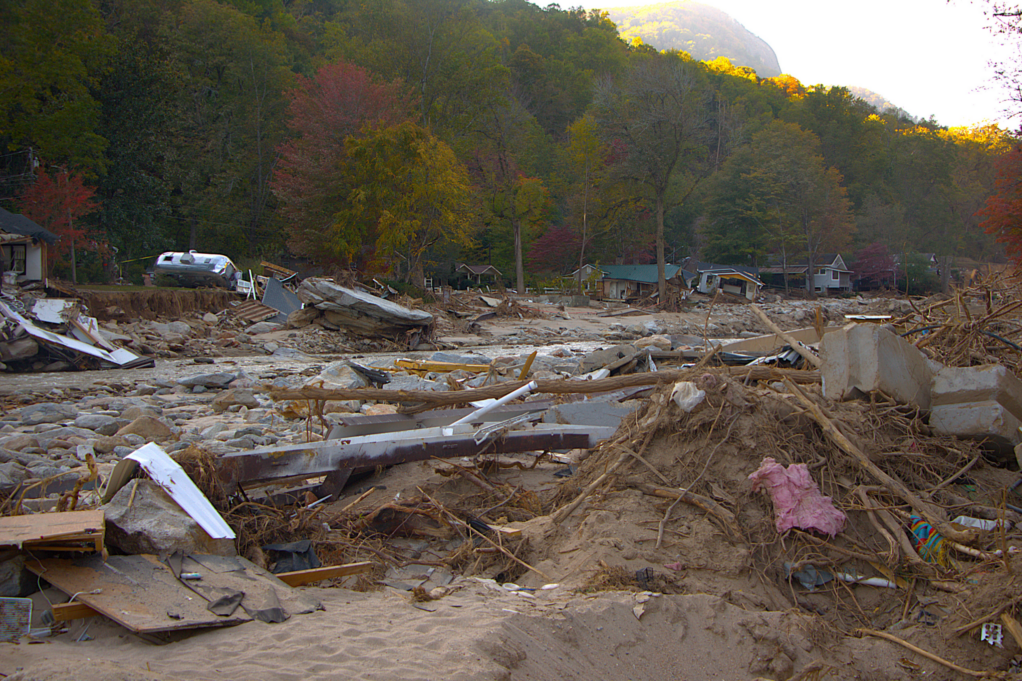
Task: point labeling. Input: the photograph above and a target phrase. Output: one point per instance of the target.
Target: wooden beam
(63, 612)
(795, 345)
(301, 577)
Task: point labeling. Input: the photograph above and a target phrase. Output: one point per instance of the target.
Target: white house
(23, 246)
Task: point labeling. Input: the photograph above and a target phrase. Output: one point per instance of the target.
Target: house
(590, 278)
(23, 246)
(624, 282)
(479, 271)
(738, 280)
(832, 274)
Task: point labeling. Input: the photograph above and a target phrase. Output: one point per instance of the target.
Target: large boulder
(148, 428)
(46, 412)
(153, 523)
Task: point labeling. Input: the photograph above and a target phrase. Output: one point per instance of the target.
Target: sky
(926, 56)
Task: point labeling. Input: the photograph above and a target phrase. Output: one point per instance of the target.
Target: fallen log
(549, 386)
(693, 499)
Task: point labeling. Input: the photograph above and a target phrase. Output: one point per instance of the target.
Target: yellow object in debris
(440, 367)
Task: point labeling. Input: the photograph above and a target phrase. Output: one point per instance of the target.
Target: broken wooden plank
(439, 367)
(67, 531)
(138, 592)
(300, 577)
(253, 311)
(65, 612)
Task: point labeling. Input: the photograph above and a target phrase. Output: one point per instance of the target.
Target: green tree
(408, 193)
(657, 114)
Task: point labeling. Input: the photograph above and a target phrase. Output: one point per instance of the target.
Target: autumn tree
(1002, 214)
(587, 157)
(658, 113)
(407, 192)
(323, 112)
(58, 202)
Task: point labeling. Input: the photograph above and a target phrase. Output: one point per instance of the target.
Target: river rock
(98, 423)
(217, 380)
(154, 523)
(46, 412)
(148, 428)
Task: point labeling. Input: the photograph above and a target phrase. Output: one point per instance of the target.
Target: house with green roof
(625, 282)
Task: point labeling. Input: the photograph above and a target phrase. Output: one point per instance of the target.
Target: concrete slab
(864, 357)
(590, 413)
(989, 383)
(979, 420)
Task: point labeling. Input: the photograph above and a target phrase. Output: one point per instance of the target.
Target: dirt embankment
(156, 303)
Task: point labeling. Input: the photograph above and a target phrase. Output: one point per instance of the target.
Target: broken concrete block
(302, 317)
(234, 396)
(143, 518)
(990, 383)
(978, 420)
(359, 311)
(861, 358)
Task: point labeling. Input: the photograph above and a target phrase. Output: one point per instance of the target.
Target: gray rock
(241, 443)
(210, 318)
(155, 524)
(12, 473)
(289, 353)
(217, 380)
(46, 412)
(16, 443)
(15, 580)
(262, 327)
(103, 425)
(133, 412)
(64, 433)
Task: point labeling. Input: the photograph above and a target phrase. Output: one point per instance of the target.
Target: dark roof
(14, 223)
(479, 269)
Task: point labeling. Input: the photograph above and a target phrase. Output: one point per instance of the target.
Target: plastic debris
(797, 499)
(687, 396)
(929, 543)
(992, 634)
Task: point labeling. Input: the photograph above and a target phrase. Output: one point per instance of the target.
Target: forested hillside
(704, 32)
(403, 136)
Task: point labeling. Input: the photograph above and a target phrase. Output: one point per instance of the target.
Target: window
(17, 261)
(833, 275)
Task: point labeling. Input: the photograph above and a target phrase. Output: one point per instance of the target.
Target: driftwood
(795, 345)
(549, 386)
(693, 499)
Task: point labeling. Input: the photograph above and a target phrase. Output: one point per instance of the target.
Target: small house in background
(624, 282)
(23, 247)
(738, 280)
(591, 275)
(832, 274)
(479, 271)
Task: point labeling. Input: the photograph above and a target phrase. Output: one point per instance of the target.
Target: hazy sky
(926, 56)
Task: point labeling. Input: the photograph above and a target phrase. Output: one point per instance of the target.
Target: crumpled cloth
(797, 499)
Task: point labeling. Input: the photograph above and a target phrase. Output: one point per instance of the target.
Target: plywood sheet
(71, 530)
(138, 592)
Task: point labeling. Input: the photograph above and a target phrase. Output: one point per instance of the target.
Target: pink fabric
(797, 499)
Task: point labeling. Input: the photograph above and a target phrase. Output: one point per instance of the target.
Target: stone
(105, 445)
(46, 412)
(993, 382)
(658, 342)
(234, 396)
(861, 358)
(217, 380)
(153, 523)
(289, 353)
(83, 452)
(210, 318)
(148, 428)
(15, 580)
(261, 328)
(605, 358)
(359, 311)
(16, 443)
(302, 317)
(590, 413)
(378, 409)
(98, 423)
(337, 376)
(12, 473)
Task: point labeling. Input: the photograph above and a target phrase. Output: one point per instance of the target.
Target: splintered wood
(69, 531)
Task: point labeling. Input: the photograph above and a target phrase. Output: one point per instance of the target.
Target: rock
(262, 327)
(337, 376)
(83, 452)
(617, 355)
(659, 342)
(12, 473)
(378, 409)
(105, 445)
(102, 425)
(289, 353)
(210, 318)
(16, 443)
(133, 412)
(232, 397)
(155, 524)
(148, 428)
(302, 317)
(46, 412)
(217, 380)
(177, 328)
(15, 580)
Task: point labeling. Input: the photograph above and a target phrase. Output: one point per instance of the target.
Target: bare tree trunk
(661, 282)
(516, 226)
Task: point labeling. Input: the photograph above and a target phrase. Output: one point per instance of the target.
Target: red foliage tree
(556, 251)
(875, 266)
(337, 103)
(1002, 215)
(57, 203)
